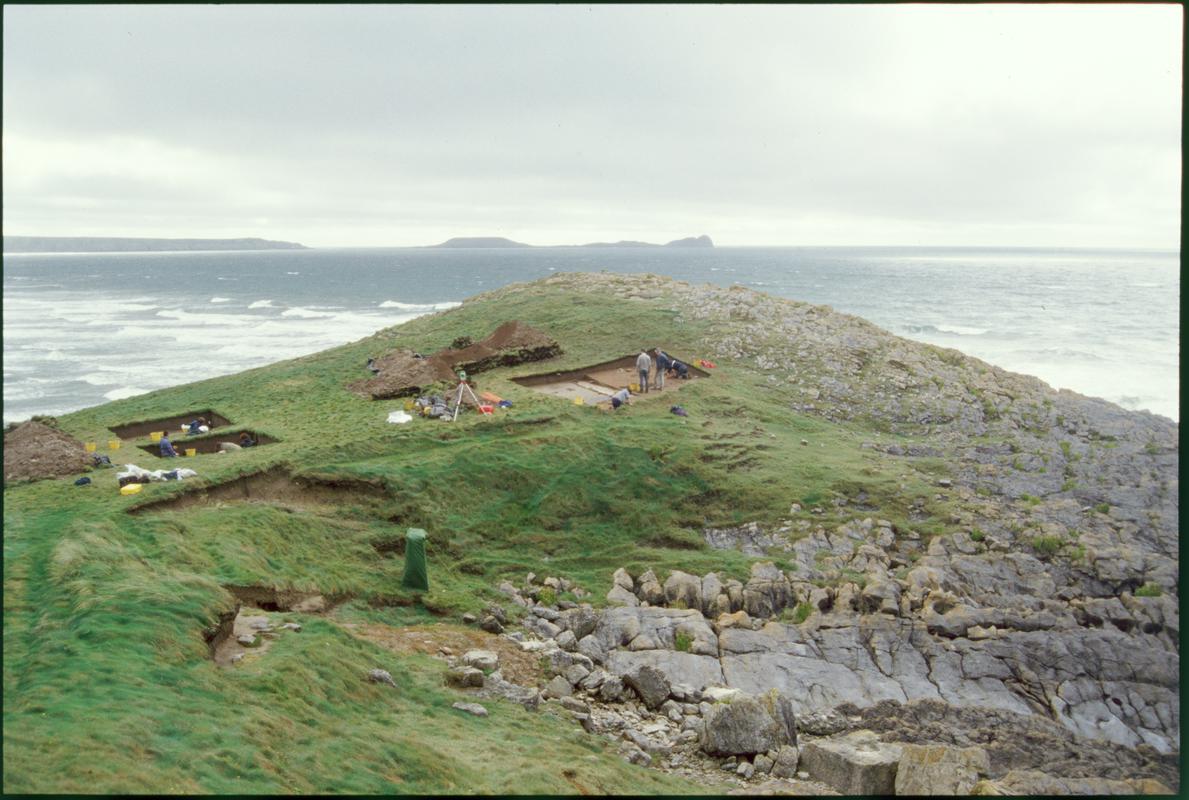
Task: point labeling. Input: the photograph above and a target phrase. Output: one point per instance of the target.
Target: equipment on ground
(416, 573)
(463, 386)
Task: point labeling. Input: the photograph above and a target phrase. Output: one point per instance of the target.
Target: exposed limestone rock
(940, 769)
(650, 683)
(855, 764)
(1031, 782)
(742, 727)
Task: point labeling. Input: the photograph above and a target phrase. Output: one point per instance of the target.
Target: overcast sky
(757, 125)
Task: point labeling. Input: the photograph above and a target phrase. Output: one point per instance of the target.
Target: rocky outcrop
(855, 764)
(939, 769)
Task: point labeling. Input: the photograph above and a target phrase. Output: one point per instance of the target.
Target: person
(680, 369)
(246, 440)
(662, 366)
(620, 397)
(167, 450)
(643, 367)
(196, 426)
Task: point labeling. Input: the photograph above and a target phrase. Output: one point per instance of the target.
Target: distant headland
(115, 244)
(499, 241)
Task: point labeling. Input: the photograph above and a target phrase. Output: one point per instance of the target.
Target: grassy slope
(107, 682)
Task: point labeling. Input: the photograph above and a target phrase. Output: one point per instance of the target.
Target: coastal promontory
(114, 244)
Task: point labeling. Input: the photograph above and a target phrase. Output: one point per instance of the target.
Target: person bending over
(167, 450)
(680, 369)
(622, 397)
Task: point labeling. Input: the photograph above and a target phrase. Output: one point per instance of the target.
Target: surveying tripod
(463, 386)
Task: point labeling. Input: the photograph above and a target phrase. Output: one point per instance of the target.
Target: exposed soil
(596, 383)
(33, 451)
(402, 375)
(206, 444)
(248, 620)
(516, 665)
(275, 486)
(135, 430)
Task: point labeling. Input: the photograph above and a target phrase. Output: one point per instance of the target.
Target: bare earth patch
(516, 665)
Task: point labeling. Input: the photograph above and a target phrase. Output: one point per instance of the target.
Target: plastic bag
(399, 417)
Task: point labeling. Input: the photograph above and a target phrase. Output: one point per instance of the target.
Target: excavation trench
(135, 430)
(596, 383)
(251, 618)
(207, 444)
(277, 486)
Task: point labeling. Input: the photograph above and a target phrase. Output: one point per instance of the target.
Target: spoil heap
(33, 451)
(402, 374)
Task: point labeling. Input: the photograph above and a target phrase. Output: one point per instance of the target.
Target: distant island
(115, 244)
(480, 241)
(499, 241)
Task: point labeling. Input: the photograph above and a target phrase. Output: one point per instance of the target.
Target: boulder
(764, 764)
(381, 676)
(857, 763)
(712, 587)
(592, 648)
(650, 683)
(558, 687)
(619, 596)
(623, 579)
(822, 722)
(581, 621)
(683, 590)
(767, 592)
(484, 660)
(787, 758)
(742, 727)
(611, 690)
(464, 677)
(571, 703)
(474, 709)
(649, 589)
(490, 624)
(495, 686)
(566, 641)
(940, 769)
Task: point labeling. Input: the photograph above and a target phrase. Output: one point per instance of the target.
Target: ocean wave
(423, 307)
(1057, 354)
(124, 391)
(220, 299)
(305, 313)
(292, 273)
(261, 304)
(957, 330)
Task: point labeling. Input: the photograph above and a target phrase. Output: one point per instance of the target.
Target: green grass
(1149, 590)
(108, 686)
(1047, 546)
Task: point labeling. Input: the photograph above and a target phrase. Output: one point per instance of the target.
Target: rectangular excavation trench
(206, 444)
(171, 425)
(597, 382)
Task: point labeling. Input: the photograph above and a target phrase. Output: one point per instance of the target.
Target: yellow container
(89, 447)
(634, 388)
(191, 452)
(113, 444)
(156, 435)
(131, 488)
(578, 401)
(409, 404)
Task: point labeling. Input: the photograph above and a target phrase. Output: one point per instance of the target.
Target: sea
(83, 329)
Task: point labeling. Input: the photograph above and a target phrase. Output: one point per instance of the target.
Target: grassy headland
(108, 683)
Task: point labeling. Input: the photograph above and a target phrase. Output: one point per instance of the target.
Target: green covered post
(416, 573)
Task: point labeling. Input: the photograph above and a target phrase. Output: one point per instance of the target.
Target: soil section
(206, 444)
(33, 451)
(272, 486)
(135, 430)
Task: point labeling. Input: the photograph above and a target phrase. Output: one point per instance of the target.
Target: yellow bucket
(634, 388)
(409, 404)
(113, 444)
(131, 488)
(156, 435)
(89, 447)
(191, 452)
(578, 401)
